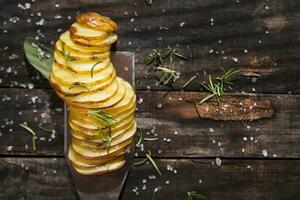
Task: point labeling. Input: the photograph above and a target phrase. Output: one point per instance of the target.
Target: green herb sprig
(163, 62)
(39, 61)
(50, 130)
(189, 81)
(108, 121)
(92, 69)
(150, 159)
(105, 137)
(26, 127)
(142, 138)
(193, 195)
(79, 86)
(216, 87)
(105, 118)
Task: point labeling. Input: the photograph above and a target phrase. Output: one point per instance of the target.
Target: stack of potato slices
(101, 105)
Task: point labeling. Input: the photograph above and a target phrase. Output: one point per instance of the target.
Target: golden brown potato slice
(79, 161)
(96, 21)
(84, 127)
(102, 169)
(115, 141)
(96, 138)
(99, 105)
(67, 77)
(109, 106)
(80, 31)
(79, 88)
(111, 38)
(74, 56)
(90, 68)
(100, 154)
(73, 47)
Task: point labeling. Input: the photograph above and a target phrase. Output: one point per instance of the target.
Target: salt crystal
(27, 5)
(167, 182)
(200, 181)
(265, 153)
(245, 51)
(218, 161)
(175, 132)
(159, 105)
(235, 59)
(144, 181)
(140, 100)
(9, 148)
(182, 24)
(245, 138)
(211, 130)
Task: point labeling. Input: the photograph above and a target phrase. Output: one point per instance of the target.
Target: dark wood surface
(269, 71)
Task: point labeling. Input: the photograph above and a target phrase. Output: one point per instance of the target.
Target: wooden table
(259, 159)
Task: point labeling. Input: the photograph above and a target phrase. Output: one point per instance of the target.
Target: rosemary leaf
(78, 86)
(193, 195)
(92, 69)
(140, 162)
(179, 55)
(108, 120)
(149, 2)
(46, 129)
(26, 127)
(207, 98)
(148, 155)
(150, 139)
(189, 81)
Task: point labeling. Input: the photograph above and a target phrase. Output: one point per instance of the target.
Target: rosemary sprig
(149, 2)
(150, 159)
(106, 119)
(105, 137)
(142, 138)
(26, 127)
(163, 62)
(92, 69)
(189, 81)
(46, 129)
(193, 195)
(216, 88)
(78, 86)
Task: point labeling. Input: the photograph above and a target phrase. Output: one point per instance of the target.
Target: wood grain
(48, 178)
(238, 27)
(176, 120)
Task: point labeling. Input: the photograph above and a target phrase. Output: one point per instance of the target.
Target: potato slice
(80, 31)
(108, 105)
(111, 38)
(96, 138)
(74, 56)
(90, 68)
(79, 161)
(96, 21)
(115, 141)
(67, 77)
(102, 169)
(88, 118)
(79, 89)
(99, 105)
(86, 127)
(100, 154)
(71, 46)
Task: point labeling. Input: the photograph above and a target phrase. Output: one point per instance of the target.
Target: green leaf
(148, 155)
(207, 98)
(78, 86)
(193, 195)
(108, 120)
(26, 127)
(43, 65)
(92, 70)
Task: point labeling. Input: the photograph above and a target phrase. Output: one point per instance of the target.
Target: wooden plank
(47, 178)
(176, 121)
(269, 66)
